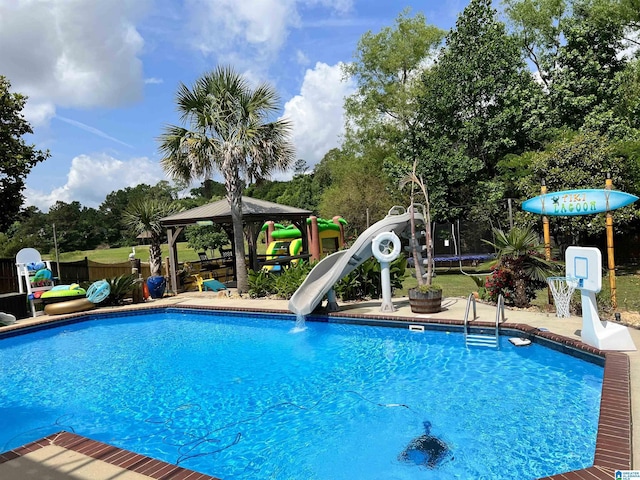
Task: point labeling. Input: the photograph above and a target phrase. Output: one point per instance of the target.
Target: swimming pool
(239, 396)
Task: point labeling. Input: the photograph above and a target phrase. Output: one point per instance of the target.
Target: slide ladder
(482, 339)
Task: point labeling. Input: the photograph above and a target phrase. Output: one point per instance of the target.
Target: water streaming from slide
(301, 325)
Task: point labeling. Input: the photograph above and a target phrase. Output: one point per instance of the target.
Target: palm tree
(520, 252)
(229, 132)
(144, 216)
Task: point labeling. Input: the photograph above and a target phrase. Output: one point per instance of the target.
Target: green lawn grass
(117, 255)
(459, 285)
(454, 284)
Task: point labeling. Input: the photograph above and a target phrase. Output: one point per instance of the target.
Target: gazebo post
(172, 236)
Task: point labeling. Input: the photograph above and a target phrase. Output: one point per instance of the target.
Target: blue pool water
(241, 397)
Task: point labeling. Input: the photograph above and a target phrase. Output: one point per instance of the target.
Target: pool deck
(65, 456)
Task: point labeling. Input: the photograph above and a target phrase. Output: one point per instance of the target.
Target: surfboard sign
(578, 202)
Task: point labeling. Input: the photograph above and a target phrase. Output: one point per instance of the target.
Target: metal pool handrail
(470, 300)
(499, 310)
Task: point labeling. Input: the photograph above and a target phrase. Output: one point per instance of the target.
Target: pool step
(481, 339)
(478, 340)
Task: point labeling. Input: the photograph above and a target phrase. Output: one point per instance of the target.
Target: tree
(478, 103)
(582, 160)
(229, 131)
(585, 80)
(77, 227)
(16, 157)
(386, 69)
(144, 216)
(206, 237)
(116, 233)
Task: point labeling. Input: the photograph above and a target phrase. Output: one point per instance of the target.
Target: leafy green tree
(585, 79)
(229, 131)
(16, 157)
(206, 237)
(386, 69)
(358, 194)
(144, 216)
(537, 24)
(116, 233)
(77, 227)
(478, 103)
(582, 160)
(30, 230)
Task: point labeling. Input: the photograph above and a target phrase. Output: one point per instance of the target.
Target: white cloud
(73, 53)
(38, 113)
(221, 24)
(317, 113)
(249, 31)
(92, 178)
(153, 81)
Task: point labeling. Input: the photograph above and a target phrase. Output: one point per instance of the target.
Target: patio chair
(206, 264)
(34, 276)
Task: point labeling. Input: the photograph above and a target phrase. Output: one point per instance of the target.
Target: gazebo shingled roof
(253, 210)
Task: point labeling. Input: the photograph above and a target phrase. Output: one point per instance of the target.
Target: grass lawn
(117, 255)
(454, 284)
(459, 285)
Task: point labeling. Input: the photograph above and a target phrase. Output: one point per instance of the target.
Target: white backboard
(585, 264)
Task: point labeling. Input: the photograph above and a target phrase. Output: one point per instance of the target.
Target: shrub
(502, 281)
(365, 282)
(120, 286)
(283, 284)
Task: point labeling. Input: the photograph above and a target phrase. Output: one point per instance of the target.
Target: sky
(101, 75)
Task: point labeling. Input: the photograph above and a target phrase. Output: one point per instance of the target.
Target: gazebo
(255, 213)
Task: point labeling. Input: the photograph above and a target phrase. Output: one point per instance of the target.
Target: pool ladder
(482, 339)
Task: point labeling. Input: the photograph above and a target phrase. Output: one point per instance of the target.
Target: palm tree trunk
(155, 257)
(520, 299)
(234, 197)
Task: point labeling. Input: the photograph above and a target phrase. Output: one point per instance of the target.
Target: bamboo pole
(610, 251)
(547, 239)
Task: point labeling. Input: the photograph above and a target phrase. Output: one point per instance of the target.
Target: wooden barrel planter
(425, 302)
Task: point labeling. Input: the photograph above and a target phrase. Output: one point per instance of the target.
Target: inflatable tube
(42, 275)
(98, 291)
(7, 319)
(72, 306)
(57, 292)
(386, 247)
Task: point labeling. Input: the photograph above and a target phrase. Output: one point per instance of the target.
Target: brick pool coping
(613, 441)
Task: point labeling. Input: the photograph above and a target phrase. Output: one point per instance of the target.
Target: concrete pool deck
(67, 456)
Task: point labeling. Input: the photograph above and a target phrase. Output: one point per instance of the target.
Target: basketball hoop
(562, 289)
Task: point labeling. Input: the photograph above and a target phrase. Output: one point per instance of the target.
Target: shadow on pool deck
(62, 459)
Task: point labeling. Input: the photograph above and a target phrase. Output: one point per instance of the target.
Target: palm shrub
(145, 216)
(120, 287)
(520, 267)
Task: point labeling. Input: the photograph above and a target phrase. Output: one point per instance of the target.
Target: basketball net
(562, 289)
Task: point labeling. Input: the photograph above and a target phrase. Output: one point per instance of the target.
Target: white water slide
(335, 266)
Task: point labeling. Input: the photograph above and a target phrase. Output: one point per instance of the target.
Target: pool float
(71, 306)
(7, 319)
(98, 291)
(42, 278)
(61, 293)
(426, 450)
